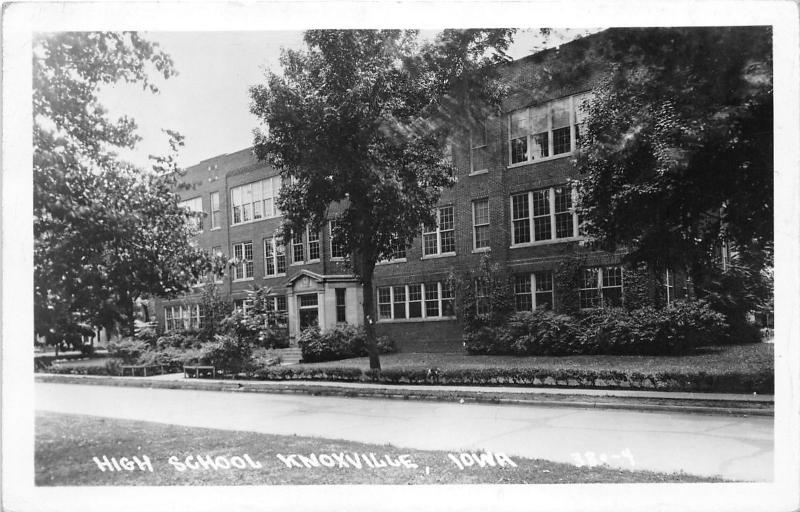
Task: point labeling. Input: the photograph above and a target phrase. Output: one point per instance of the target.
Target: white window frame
(189, 315)
(669, 285)
(215, 211)
(601, 270)
(440, 287)
(552, 213)
(438, 232)
(317, 241)
(532, 289)
(483, 145)
(475, 226)
(576, 117)
(273, 184)
(241, 266)
(273, 245)
(343, 257)
(304, 241)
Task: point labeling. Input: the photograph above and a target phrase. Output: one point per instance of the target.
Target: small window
(215, 213)
(341, 306)
(480, 221)
(479, 150)
(338, 250)
(195, 208)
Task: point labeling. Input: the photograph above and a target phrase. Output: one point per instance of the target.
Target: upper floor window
(545, 131)
(479, 149)
(338, 250)
(440, 238)
(542, 215)
(305, 248)
(215, 210)
(243, 260)
(195, 207)
(254, 201)
(601, 287)
(274, 257)
(480, 223)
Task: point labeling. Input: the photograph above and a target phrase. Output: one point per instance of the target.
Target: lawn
(748, 359)
(66, 445)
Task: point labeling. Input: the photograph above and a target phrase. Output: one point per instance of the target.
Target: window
(479, 150)
(338, 250)
(428, 300)
(543, 215)
(254, 201)
(480, 222)
(306, 245)
(215, 210)
(183, 317)
(217, 251)
(243, 257)
(547, 130)
(309, 313)
(482, 303)
(243, 305)
(277, 305)
(195, 207)
(274, 257)
(441, 238)
(601, 287)
(533, 291)
(397, 252)
(341, 306)
(669, 285)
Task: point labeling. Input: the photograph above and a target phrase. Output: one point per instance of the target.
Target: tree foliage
(677, 156)
(361, 119)
(105, 232)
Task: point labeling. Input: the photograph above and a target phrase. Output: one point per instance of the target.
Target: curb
(734, 406)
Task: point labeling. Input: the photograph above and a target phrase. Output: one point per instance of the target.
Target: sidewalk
(707, 403)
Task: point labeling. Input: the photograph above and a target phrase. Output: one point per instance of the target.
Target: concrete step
(291, 355)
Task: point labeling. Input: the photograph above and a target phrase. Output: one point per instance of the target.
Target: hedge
(341, 342)
(729, 382)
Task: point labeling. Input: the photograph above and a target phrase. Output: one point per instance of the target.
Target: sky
(208, 103)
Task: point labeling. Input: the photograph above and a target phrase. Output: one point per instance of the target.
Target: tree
(361, 119)
(105, 233)
(676, 158)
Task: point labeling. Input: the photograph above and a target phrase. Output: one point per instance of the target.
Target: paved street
(732, 447)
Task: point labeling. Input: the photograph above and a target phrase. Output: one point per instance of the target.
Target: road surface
(737, 448)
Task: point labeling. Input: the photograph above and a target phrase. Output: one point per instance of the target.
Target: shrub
(179, 339)
(540, 332)
(174, 358)
(486, 340)
(128, 350)
(227, 353)
(341, 342)
(113, 367)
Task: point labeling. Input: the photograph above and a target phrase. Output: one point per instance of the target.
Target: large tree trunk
(367, 271)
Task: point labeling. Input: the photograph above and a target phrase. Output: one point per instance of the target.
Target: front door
(309, 311)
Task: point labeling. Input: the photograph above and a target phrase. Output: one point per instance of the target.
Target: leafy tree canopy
(105, 233)
(678, 152)
(360, 119)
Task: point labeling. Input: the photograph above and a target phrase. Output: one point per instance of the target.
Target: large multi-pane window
(533, 291)
(338, 250)
(183, 317)
(277, 305)
(601, 287)
(479, 149)
(243, 256)
(545, 131)
(441, 237)
(305, 248)
(254, 201)
(195, 207)
(422, 300)
(480, 223)
(543, 215)
(274, 257)
(215, 220)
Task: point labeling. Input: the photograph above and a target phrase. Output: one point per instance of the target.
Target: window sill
(546, 242)
(337, 258)
(215, 229)
(411, 320)
(253, 221)
(538, 160)
(244, 279)
(478, 173)
(481, 250)
(435, 256)
(390, 262)
(274, 276)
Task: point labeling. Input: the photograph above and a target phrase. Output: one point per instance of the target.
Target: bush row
(675, 329)
(729, 382)
(341, 342)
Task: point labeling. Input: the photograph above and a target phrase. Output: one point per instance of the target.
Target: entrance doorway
(309, 310)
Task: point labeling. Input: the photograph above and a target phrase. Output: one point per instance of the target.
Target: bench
(199, 372)
(143, 367)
